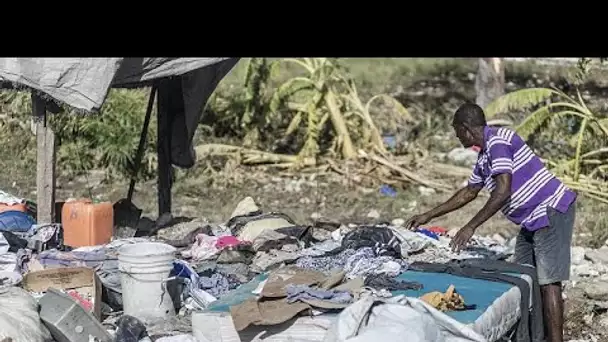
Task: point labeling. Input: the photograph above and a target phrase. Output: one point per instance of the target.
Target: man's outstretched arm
(498, 198)
(457, 201)
(461, 198)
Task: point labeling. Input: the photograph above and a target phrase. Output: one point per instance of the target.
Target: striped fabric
(533, 187)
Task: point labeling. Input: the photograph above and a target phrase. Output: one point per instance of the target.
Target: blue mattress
(482, 293)
(474, 291)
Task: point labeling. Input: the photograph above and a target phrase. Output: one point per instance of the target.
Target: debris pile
(257, 276)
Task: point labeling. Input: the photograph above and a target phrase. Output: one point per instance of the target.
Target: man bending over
(528, 195)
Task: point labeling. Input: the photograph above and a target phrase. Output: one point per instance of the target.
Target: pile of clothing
(264, 269)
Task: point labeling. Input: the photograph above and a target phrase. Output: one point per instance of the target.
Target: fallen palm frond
(251, 157)
(404, 172)
(448, 170)
(597, 190)
(324, 99)
(368, 168)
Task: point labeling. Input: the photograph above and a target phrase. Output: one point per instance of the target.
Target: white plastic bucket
(144, 272)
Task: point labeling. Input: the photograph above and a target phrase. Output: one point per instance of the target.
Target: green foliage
(551, 104)
(328, 98)
(518, 100)
(254, 117)
(107, 141)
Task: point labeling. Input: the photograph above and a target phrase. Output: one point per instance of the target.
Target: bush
(107, 141)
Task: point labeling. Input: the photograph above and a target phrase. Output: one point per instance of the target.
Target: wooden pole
(45, 162)
(165, 169)
(142, 144)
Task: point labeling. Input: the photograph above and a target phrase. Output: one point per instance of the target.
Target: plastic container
(86, 223)
(13, 207)
(67, 320)
(144, 272)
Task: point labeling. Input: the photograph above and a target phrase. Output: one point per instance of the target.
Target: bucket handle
(162, 283)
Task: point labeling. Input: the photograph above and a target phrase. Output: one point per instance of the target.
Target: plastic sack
(130, 329)
(201, 298)
(16, 221)
(19, 317)
(178, 338)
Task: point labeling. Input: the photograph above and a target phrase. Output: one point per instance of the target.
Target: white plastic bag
(4, 246)
(178, 338)
(19, 317)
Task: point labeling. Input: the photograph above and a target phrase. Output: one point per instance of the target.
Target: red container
(86, 223)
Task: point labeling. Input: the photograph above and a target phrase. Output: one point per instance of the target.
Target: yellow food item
(448, 301)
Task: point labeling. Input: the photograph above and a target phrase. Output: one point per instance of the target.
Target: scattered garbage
(19, 318)
(388, 190)
(257, 276)
(68, 320)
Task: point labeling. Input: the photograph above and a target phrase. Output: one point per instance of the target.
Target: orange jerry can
(15, 206)
(86, 223)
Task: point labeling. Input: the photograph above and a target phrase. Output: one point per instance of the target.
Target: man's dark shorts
(549, 248)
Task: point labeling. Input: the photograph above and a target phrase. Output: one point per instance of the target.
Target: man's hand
(462, 238)
(418, 220)
(499, 196)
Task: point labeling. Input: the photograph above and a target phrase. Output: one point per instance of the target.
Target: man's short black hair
(469, 114)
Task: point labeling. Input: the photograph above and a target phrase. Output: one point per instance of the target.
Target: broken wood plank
(163, 147)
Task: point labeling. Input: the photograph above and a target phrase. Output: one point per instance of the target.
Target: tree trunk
(490, 80)
(348, 149)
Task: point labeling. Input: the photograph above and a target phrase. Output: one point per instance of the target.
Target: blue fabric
(475, 291)
(237, 296)
(428, 233)
(16, 221)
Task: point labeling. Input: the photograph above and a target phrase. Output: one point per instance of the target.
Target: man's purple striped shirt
(533, 187)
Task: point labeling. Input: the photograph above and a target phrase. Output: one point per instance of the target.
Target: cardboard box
(81, 279)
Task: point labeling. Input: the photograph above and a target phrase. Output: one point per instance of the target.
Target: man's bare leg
(553, 311)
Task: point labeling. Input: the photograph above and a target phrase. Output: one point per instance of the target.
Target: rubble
(598, 256)
(578, 255)
(398, 222)
(373, 214)
(596, 290)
